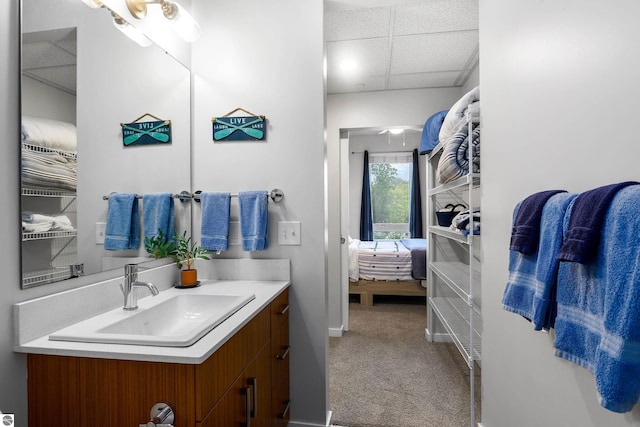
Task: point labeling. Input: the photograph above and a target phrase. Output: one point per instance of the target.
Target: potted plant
(158, 246)
(185, 253)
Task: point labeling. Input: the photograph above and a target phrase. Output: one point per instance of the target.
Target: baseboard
(301, 424)
(336, 332)
(439, 337)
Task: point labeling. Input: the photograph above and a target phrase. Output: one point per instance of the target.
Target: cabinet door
(248, 402)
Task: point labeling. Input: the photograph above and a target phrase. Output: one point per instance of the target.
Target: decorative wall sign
(239, 128)
(144, 133)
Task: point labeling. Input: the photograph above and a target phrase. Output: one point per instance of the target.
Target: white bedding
(49, 133)
(381, 260)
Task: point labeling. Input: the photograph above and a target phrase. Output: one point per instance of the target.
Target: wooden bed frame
(368, 288)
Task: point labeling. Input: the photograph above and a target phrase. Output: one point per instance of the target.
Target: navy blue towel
(525, 233)
(585, 225)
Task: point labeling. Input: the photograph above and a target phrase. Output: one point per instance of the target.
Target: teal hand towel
(254, 220)
(157, 214)
(122, 231)
(214, 227)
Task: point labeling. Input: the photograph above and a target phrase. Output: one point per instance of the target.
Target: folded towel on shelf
(214, 227)
(526, 225)
(254, 220)
(584, 230)
(40, 223)
(462, 222)
(157, 214)
(430, 132)
(531, 287)
(49, 133)
(598, 319)
(122, 231)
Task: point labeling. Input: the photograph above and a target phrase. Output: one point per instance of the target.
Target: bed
(390, 267)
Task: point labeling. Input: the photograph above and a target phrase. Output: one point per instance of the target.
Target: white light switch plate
(101, 228)
(289, 232)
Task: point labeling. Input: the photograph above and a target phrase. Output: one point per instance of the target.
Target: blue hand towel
(598, 320)
(157, 214)
(214, 228)
(531, 287)
(431, 132)
(122, 231)
(526, 226)
(253, 220)
(583, 235)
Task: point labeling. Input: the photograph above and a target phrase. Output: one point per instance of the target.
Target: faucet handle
(161, 416)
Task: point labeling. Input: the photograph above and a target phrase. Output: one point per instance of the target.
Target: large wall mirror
(81, 79)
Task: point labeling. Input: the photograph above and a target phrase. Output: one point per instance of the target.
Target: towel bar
(183, 196)
(276, 195)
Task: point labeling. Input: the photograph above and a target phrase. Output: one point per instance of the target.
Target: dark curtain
(415, 201)
(366, 212)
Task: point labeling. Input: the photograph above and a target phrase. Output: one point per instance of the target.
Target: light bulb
(183, 23)
(396, 131)
(132, 32)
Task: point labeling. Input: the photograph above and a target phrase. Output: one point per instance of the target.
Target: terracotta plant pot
(188, 277)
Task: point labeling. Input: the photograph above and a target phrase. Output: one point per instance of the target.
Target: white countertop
(265, 292)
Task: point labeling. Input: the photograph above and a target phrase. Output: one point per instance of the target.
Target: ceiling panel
(433, 52)
(400, 45)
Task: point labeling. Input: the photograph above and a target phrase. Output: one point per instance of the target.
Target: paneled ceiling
(375, 45)
(50, 58)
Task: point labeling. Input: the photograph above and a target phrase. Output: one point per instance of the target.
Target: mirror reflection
(81, 79)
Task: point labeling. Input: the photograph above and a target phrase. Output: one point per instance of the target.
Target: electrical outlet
(289, 232)
(101, 228)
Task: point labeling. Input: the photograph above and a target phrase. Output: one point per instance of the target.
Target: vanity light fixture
(93, 3)
(130, 31)
(182, 22)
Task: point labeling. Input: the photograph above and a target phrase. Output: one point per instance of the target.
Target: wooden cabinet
(248, 375)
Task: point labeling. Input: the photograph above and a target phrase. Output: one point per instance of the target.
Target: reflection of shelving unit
(454, 269)
(49, 256)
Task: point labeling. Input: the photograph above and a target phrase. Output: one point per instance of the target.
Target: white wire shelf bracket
(456, 275)
(455, 320)
(37, 192)
(45, 276)
(463, 181)
(48, 235)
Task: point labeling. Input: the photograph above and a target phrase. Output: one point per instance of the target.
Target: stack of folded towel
(462, 222)
(40, 223)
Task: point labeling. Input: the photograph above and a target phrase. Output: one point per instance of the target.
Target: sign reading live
(144, 133)
(249, 128)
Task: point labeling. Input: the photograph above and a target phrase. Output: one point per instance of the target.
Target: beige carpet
(384, 373)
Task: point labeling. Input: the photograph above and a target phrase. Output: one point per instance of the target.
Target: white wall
(361, 110)
(559, 91)
(41, 100)
(267, 57)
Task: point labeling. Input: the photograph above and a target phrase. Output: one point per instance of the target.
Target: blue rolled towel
(122, 231)
(526, 226)
(254, 220)
(431, 132)
(157, 214)
(214, 227)
(585, 226)
(598, 320)
(531, 287)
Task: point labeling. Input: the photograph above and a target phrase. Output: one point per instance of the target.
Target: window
(390, 179)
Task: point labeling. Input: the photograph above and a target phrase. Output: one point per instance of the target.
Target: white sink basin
(176, 322)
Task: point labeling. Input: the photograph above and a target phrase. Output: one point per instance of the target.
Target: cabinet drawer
(280, 310)
(280, 356)
(227, 363)
(280, 405)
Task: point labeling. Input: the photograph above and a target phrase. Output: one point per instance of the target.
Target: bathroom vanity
(235, 375)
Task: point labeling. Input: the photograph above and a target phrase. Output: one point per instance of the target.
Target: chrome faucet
(130, 284)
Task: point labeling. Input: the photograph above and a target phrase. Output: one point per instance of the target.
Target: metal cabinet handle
(284, 310)
(248, 406)
(254, 385)
(284, 354)
(286, 409)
